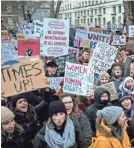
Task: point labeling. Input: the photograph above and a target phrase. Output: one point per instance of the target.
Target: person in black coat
(101, 100)
(11, 133)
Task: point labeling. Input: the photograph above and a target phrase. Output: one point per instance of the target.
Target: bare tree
(129, 12)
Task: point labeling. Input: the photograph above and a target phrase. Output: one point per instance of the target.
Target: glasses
(68, 102)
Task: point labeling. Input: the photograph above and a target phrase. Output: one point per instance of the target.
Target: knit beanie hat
(6, 114)
(126, 79)
(56, 107)
(104, 74)
(110, 114)
(125, 97)
(16, 98)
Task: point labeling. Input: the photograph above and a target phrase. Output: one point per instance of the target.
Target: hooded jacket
(91, 110)
(17, 140)
(106, 138)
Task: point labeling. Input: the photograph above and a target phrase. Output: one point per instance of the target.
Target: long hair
(76, 110)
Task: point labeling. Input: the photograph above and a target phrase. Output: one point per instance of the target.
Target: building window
(92, 12)
(91, 20)
(104, 10)
(114, 10)
(95, 11)
(81, 13)
(9, 8)
(85, 3)
(75, 14)
(88, 12)
(104, 21)
(119, 9)
(113, 20)
(99, 21)
(89, 3)
(81, 20)
(79, 4)
(84, 13)
(95, 21)
(84, 21)
(119, 20)
(88, 21)
(78, 14)
(92, 2)
(96, 2)
(99, 11)
(82, 4)
(78, 22)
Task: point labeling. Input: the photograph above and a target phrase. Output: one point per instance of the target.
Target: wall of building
(97, 12)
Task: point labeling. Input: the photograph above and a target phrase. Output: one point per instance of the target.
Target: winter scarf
(54, 140)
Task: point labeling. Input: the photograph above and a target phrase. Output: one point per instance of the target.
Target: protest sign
(73, 50)
(20, 36)
(4, 36)
(56, 37)
(113, 28)
(119, 40)
(89, 39)
(78, 79)
(8, 50)
(94, 29)
(54, 82)
(28, 47)
(131, 31)
(61, 61)
(22, 77)
(38, 29)
(103, 57)
(112, 89)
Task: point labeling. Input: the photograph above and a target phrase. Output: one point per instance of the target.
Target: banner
(103, 57)
(61, 61)
(112, 89)
(78, 79)
(54, 82)
(8, 50)
(28, 47)
(131, 31)
(119, 40)
(89, 39)
(56, 37)
(22, 77)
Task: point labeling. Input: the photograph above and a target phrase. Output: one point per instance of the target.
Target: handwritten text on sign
(103, 57)
(77, 79)
(56, 36)
(8, 50)
(54, 82)
(89, 39)
(119, 40)
(22, 77)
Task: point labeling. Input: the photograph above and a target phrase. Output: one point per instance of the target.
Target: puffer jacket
(17, 140)
(106, 139)
(82, 129)
(92, 109)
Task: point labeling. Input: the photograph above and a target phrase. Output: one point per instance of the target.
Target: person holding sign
(80, 120)
(101, 100)
(104, 78)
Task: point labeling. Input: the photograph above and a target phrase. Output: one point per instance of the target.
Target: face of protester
(68, 104)
(132, 72)
(117, 71)
(126, 103)
(86, 56)
(130, 84)
(52, 70)
(104, 96)
(22, 105)
(104, 80)
(8, 127)
(59, 119)
(121, 120)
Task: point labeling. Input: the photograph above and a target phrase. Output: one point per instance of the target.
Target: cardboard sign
(130, 43)
(22, 77)
(103, 57)
(131, 31)
(78, 79)
(4, 36)
(54, 82)
(61, 61)
(94, 29)
(89, 39)
(72, 50)
(38, 29)
(119, 40)
(8, 50)
(20, 36)
(112, 89)
(56, 37)
(29, 47)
